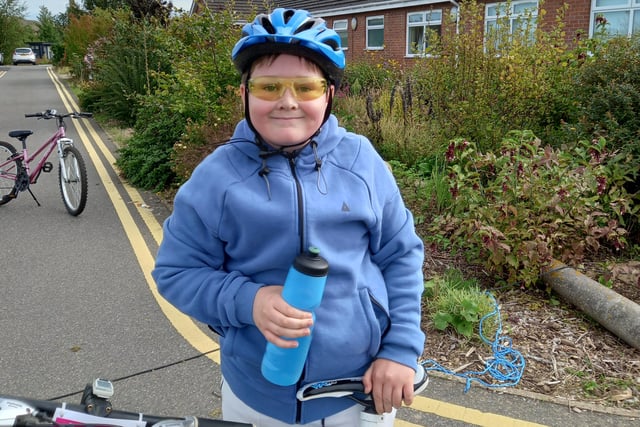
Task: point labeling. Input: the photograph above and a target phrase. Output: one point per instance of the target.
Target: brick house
(397, 29)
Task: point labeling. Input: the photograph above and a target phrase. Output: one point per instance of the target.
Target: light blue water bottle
(303, 289)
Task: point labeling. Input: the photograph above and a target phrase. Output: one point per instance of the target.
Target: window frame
(631, 7)
(512, 15)
(374, 27)
(342, 32)
(425, 22)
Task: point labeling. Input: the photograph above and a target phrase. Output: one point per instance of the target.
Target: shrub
(608, 90)
(467, 85)
(425, 187)
(144, 160)
(197, 87)
(370, 73)
(126, 63)
(515, 210)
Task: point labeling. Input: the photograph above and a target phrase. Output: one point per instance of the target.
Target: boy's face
(286, 121)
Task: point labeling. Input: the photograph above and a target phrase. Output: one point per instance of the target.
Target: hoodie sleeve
(189, 269)
(399, 253)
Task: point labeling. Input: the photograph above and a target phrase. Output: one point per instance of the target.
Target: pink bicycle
(17, 173)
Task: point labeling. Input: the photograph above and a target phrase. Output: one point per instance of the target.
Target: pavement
(444, 403)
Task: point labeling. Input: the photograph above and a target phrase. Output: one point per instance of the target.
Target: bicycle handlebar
(354, 389)
(53, 114)
(26, 412)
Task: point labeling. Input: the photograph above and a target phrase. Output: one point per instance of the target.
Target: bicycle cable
(146, 371)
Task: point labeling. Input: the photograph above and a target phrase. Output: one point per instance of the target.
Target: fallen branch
(613, 311)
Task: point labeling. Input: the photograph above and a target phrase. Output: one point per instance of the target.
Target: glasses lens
(302, 88)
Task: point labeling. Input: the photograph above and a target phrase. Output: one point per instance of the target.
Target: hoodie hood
(308, 158)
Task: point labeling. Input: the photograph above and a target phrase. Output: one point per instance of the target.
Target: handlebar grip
(34, 114)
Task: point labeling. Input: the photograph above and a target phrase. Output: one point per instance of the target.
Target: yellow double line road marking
(183, 324)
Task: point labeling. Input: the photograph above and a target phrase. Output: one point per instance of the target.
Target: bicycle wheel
(8, 173)
(74, 188)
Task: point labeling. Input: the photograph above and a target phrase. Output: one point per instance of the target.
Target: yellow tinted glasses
(302, 88)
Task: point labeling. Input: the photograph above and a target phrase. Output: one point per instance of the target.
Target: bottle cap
(311, 263)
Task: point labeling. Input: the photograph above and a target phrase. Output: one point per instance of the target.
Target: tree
(12, 27)
(74, 10)
(81, 32)
(148, 9)
(48, 29)
(90, 5)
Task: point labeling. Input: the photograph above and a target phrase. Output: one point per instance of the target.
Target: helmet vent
(333, 44)
(268, 26)
(288, 14)
(306, 26)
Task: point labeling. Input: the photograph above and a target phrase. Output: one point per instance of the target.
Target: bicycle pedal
(47, 167)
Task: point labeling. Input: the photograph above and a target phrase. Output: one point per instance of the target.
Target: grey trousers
(233, 409)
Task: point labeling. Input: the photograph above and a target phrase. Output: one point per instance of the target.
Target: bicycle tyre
(8, 185)
(74, 190)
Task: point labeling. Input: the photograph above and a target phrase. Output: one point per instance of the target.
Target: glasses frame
(281, 84)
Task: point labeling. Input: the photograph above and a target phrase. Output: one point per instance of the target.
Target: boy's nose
(288, 98)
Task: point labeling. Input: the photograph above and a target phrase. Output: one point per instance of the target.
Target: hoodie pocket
(247, 344)
(377, 317)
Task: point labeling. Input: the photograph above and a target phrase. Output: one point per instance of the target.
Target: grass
(455, 302)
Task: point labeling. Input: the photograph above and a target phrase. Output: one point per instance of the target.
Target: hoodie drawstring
(264, 171)
(321, 182)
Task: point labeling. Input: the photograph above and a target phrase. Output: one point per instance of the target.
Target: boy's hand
(390, 383)
(278, 320)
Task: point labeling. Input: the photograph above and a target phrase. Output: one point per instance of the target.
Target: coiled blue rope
(506, 367)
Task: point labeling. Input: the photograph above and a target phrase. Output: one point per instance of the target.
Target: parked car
(22, 55)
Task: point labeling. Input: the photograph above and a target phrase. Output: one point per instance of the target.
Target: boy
(291, 178)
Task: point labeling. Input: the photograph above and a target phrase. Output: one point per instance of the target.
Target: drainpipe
(457, 6)
(613, 311)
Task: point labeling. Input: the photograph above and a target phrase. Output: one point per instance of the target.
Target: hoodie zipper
(292, 165)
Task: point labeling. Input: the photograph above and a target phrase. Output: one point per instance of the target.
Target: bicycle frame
(57, 140)
(23, 168)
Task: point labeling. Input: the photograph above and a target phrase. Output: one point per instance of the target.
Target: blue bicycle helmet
(295, 32)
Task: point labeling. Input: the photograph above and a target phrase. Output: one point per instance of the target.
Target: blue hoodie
(239, 222)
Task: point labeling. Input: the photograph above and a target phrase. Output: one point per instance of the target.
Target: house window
(622, 16)
(341, 27)
(508, 19)
(421, 27)
(375, 32)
